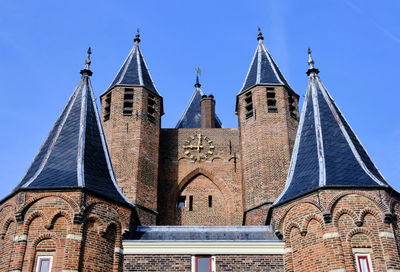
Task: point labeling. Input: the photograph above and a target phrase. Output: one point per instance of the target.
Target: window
(128, 102)
(363, 263)
(43, 263)
(210, 201)
(203, 263)
(191, 203)
(151, 102)
(181, 202)
(248, 99)
(107, 107)
(271, 100)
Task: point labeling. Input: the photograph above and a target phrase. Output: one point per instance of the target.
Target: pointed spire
(134, 71)
(260, 36)
(75, 154)
(263, 69)
(311, 68)
(87, 70)
(327, 152)
(137, 39)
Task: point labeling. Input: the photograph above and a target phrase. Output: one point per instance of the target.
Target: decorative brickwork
(46, 227)
(357, 225)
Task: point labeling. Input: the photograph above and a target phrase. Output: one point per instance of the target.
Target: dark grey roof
(191, 117)
(204, 233)
(134, 72)
(327, 153)
(75, 154)
(263, 70)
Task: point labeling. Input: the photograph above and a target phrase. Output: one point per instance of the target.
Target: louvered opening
(151, 108)
(107, 107)
(271, 100)
(128, 102)
(248, 99)
(292, 106)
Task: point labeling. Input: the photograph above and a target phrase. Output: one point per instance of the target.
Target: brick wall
(46, 224)
(267, 140)
(133, 142)
(172, 263)
(218, 176)
(357, 224)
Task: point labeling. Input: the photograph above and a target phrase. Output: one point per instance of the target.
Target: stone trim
(386, 234)
(330, 235)
(74, 237)
(287, 250)
(361, 250)
(119, 250)
(338, 270)
(20, 238)
(208, 248)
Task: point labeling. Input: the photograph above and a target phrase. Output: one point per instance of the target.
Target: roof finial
(87, 71)
(198, 72)
(137, 39)
(260, 36)
(311, 68)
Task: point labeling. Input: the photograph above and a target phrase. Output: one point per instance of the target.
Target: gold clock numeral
(212, 147)
(210, 152)
(210, 142)
(191, 156)
(187, 152)
(192, 137)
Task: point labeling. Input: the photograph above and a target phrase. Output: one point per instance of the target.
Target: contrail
(389, 34)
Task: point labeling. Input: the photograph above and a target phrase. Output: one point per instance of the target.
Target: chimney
(207, 111)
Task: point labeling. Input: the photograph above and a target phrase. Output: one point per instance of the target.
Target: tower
(267, 110)
(131, 110)
(67, 213)
(336, 212)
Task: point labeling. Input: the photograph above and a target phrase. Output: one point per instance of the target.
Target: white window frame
(38, 263)
(213, 269)
(369, 262)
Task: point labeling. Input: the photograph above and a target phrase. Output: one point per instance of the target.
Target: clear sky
(355, 43)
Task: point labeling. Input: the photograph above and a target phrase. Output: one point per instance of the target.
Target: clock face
(198, 147)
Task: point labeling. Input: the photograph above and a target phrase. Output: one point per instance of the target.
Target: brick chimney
(207, 111)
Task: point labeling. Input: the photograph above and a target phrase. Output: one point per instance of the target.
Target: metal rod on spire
(137, 39)
(88, 61)
(260, 36)
(311, 68)
(198, 72)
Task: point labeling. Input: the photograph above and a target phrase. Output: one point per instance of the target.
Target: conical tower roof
(191, 117)
(327, 152)
(263, 69)
(75, 154)
(134, 71)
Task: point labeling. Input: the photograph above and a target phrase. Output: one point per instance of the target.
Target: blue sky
(355, 43)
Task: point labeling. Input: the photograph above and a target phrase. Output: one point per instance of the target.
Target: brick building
(116, 192)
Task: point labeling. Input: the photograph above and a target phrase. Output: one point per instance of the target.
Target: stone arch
(5, 226)
(31, 217)
(22, 211)
(52, 219)
(307, 220)
(211, 204)
(280, 220)
(90, 207)
(336, 198)
(288, 229)
(194, 173)
(342, 211)
(370, 211)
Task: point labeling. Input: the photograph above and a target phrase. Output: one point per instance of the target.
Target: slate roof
(327, 152)
(75, 154)
(263, 69)
(191, 117)
(204, 233)
(134, 71)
